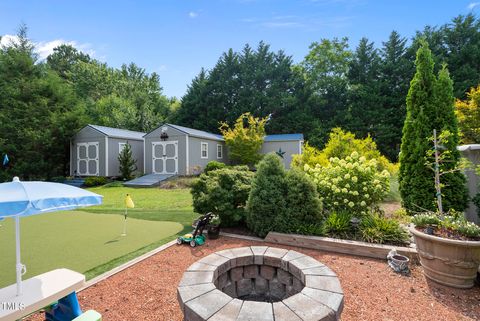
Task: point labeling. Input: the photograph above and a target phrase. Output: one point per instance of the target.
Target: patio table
(39, 292)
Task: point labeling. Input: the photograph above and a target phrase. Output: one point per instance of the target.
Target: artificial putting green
(76, 240)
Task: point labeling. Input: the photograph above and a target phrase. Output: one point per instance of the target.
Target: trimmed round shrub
(213, 165)
(352, 184)
(224, 192)
(303, 206)
(267, 196)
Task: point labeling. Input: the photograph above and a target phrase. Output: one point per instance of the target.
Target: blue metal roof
(283, 137)
(118, 133)
(197, 133)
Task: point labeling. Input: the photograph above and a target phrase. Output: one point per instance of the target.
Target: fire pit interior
(259, 283)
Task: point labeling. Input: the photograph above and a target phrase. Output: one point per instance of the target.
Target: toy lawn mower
(197, 237)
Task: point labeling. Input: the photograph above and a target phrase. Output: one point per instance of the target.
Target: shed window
(121, 146)
(204, 150)
(219, 151)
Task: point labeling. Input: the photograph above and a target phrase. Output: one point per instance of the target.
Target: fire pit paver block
(308, 309)
(267, 272)
(250, 271)
(256, 311)
(258, 252)
(310, 291)
(305, 262)
(186, 293)
(206, 305)
(283, 313)
(228, 312)
(291, 255)
(331, 299)
(273, 256)
(192, 278)
(327, 283)
(243, 256)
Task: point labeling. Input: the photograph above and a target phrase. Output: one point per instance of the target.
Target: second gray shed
(94, 150)
(177, 150)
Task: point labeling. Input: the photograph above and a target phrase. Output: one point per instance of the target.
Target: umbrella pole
(19, 266)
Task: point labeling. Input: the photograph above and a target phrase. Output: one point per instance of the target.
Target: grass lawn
(88, 240)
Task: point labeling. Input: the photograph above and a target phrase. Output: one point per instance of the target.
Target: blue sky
(176, 38)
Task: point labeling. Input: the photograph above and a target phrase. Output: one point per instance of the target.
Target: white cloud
(193, 14)
(45, 48)
(162, 68)
(472, 5)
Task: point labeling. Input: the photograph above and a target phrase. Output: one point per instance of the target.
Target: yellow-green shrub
(352, 184)
(342, 144)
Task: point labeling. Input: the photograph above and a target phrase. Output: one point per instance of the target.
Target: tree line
(362, 89)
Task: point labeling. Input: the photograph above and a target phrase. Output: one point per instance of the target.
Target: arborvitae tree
(267, 196)
(416, 182)
(126, 162)
(454, 190)
(429, 106)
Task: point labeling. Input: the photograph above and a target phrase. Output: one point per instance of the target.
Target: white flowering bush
(352, 184)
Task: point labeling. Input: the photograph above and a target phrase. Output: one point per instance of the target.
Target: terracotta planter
(449, 262)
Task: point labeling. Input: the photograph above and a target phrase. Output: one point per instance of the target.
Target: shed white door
(165, 157)
(87, 159)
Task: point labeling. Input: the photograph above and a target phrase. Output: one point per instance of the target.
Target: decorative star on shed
(280, 152)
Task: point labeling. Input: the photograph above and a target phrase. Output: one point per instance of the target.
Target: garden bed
(147, 290)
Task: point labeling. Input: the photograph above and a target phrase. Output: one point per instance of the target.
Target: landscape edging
(376, 251)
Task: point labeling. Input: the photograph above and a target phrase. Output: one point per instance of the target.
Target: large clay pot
(448, 262)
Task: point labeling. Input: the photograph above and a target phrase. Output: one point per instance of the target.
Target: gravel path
(147, 290)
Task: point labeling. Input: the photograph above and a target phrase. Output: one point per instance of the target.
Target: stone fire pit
(259, 283)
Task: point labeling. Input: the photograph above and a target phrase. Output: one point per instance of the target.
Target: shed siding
(89, 135)
(113, 152)
(289, 147)
(196, 162)
(173, 135)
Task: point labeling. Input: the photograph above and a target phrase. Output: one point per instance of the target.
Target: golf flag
(5, 160)
(129, 202)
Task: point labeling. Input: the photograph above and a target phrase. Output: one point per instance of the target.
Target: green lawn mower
(196, 237)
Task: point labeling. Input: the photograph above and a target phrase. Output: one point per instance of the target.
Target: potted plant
(448, 245)
(214, 227)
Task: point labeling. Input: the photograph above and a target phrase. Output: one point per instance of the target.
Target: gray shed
(94, 150)
(178, 150)
(285, 145)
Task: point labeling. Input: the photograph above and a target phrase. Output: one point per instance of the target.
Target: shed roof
(283, 137)
(197, 133)
(118, 133)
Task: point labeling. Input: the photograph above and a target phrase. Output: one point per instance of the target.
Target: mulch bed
(147, 290)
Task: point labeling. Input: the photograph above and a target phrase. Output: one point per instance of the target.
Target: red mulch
(147, 290)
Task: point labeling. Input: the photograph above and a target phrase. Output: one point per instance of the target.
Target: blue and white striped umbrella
(19, 199)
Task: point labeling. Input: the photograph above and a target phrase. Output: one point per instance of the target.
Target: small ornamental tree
(245, 138)
(430, 106)
(468, 114)
(127, 163)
